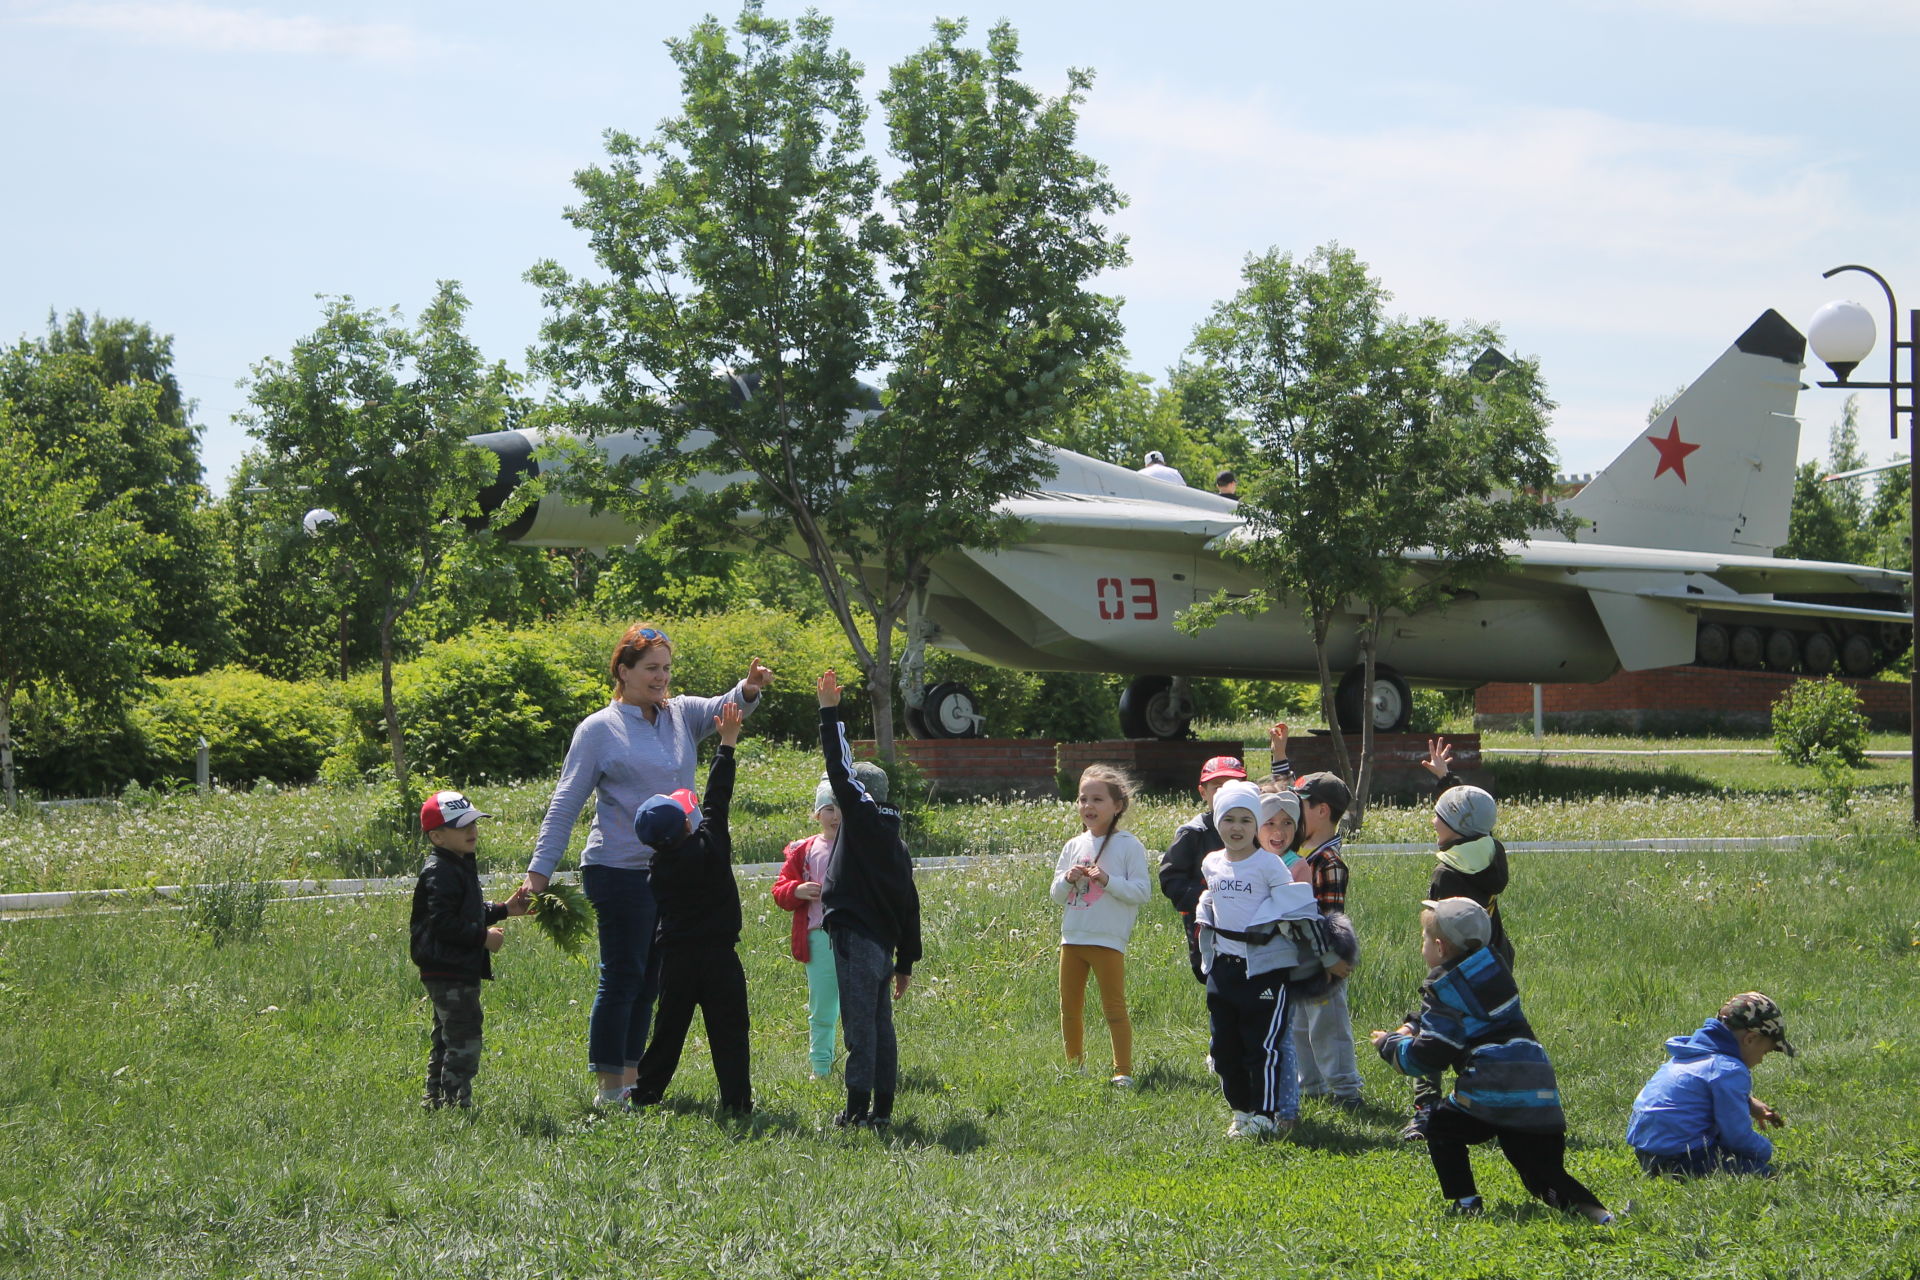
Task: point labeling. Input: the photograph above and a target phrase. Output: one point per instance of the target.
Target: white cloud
(211, 29)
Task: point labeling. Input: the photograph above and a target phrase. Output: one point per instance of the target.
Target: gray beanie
(823, 796)
(873, 778)
(1468, 810)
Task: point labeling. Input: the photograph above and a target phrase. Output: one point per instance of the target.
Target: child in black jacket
(872, 915)
(452, 938)
(693, 961)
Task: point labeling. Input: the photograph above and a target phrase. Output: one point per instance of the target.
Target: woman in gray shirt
(643, 743)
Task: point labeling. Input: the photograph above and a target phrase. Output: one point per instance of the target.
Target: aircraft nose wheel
(1152, 708)
(1391, 705)
(948, 712)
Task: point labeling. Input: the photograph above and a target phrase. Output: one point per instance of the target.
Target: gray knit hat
(1463, 922)
(873, 778)
(823, 796)
(1468, 810)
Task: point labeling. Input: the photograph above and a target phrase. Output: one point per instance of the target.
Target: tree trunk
(1343, 761)
(395, 740)
(880, 685)
(913, 658)
(1369, 653)
(6, 745)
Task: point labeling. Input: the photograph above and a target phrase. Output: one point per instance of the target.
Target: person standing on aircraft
(1227, 485)
(1156, 468)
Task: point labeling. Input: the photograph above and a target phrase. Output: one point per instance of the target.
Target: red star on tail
(1673, 452)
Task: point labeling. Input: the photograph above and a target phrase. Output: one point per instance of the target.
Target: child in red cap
(453, 936)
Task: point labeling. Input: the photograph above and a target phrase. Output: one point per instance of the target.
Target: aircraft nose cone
(517, 464)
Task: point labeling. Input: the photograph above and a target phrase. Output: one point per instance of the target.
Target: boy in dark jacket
(1470, 1020)
(693, 961)
(1697, 1114)
(452, 935)
(871, 911)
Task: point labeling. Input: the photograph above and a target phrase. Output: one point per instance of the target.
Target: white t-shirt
(1096, 915)
(1161, 471)
(1239, 890)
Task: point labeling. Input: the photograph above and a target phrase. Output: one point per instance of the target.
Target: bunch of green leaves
(564, 915)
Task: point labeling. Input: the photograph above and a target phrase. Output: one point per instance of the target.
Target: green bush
(60, 750)
(1816, 719)
(488, 707)
(255, 726)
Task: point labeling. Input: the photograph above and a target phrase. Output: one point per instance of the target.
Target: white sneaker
(1121, 1082)
(1238, 1128)
(1258, 1126)
(1210, 1070)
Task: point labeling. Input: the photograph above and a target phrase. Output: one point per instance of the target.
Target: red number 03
(1122, 598)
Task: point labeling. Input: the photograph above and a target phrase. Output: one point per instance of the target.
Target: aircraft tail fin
(1714, 471)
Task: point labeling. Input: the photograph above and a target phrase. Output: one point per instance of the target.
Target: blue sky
(1622, 185)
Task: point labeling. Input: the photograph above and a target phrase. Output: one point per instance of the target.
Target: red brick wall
(980, 766)
(1672, 699)
(1159, 766)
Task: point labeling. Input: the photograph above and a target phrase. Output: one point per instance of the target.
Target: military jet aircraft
(1673, 564)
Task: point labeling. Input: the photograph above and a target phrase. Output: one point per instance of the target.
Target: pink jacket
(793, 874)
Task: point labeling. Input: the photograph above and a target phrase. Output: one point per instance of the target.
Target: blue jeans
(1700, 1161)
(623, 1005)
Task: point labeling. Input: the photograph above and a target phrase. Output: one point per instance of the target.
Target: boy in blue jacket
(1470, 1020)
(1697, 1114)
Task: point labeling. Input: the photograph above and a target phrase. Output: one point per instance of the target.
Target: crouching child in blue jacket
(1698, 1113)
(1470, 1020)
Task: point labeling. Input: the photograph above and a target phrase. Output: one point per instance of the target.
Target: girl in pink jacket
(797, 889)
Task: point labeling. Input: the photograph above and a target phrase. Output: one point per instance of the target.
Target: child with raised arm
(803, 869)
(1470, 1021)
(1180, 879)
(694, 964)
(1322, 1027)
(1259, 930)
(872, 914)
(1100, 881)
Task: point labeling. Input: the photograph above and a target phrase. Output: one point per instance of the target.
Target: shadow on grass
(1517, 779)
(1161, 1078)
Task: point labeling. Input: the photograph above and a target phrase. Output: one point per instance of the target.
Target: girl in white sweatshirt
(1100, 880)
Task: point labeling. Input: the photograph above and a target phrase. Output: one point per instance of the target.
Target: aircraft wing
(1094, 519)
(1745, 575)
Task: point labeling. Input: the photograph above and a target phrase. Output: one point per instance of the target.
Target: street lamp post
(1842, 335)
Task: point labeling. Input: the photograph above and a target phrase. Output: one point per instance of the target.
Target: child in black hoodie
(693, 960)
(872, 914)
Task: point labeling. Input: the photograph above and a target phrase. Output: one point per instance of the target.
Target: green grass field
(172, 1106)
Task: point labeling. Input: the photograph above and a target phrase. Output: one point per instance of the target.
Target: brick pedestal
(1672, 700)
(1158, 766)
(957, 768)
(1396, 759)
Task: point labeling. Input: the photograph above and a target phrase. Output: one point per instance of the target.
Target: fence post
(203, 767)
(1539, 715)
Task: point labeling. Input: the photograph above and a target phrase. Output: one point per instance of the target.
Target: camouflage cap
(1752, 1011)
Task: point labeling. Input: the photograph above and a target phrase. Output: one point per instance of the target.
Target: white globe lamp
(1841, 334)
(312, 521)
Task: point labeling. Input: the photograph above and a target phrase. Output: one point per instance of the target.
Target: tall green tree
(1391, 462)
(366, 421)
(72, 589)
(745, 248)
(1831, 520)
(100, 393)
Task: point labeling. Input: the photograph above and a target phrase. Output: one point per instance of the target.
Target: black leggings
(1539, 1158)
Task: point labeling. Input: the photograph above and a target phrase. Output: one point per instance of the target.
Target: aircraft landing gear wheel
(916, 722)
(1820, 654)
(1391, 705)
(1711, 645)
(949, 711)
(1749, 648)
(1151, 709)
(1783, 650)
(1857, 656)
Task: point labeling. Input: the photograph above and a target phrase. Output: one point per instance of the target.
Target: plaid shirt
(1329, 871)
(1329, 876)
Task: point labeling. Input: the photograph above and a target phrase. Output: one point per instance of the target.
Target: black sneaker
(1416, 1130)
(432, 1102)
(1347, 1102)
(851, 1120)
(1466, 1207)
